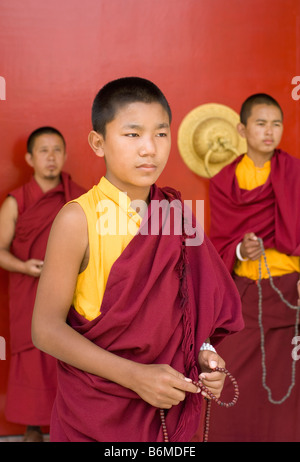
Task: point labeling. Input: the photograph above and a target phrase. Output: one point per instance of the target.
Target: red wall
(56, 55)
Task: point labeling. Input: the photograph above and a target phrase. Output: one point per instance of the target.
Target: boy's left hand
(214, 381)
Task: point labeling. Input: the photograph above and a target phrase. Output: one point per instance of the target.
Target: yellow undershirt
(112, 224)
(249, 177)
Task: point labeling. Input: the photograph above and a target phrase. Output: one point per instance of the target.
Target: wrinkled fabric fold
(271, 211)
(32, 375)
(36, 212)
(162, 300)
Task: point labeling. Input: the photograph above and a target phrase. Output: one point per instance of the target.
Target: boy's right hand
(250, 247)
(161, 386)
(33, 267)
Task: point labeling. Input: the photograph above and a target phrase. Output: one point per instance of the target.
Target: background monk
(257, 196)
(143, 303)
(25, 219)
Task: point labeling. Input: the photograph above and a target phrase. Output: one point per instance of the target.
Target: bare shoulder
(69, 230)
(8, 221)
(9, 208)
(70, 218)
(66, 249)
(72, 211)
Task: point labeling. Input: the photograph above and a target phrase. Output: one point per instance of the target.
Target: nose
(269, 129)
(51, 154)
(148, 146)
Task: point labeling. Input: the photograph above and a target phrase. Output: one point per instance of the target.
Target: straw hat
(208, 139)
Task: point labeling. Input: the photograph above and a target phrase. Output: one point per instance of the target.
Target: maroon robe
(163, 299)
(36, 212)
(272, 212)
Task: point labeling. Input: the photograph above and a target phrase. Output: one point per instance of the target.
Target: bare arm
(160, 385)
(8, 220)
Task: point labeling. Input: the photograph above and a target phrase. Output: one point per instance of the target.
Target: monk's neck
(46, 184)
(259, 159)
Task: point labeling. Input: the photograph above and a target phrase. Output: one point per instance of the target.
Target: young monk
(26, 217)
(257, 196)
(142, 303)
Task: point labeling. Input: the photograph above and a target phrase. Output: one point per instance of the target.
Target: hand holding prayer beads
(212, 397)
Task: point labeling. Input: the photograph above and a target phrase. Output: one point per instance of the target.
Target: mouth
(147, 167)
(268, 141)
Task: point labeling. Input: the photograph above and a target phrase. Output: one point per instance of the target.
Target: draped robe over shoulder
(32, 374)
(271, 211)
(162, 300)
(36, 212)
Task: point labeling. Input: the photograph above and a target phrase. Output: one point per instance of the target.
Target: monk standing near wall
(26, 216)
(255, 205)
(143, 303)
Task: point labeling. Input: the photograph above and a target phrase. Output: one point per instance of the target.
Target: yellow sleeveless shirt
(249, 177)
(112, 223)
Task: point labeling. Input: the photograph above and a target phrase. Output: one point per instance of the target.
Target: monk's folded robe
(271, 211)
(32, 374)
(36, 212)
(162, 300)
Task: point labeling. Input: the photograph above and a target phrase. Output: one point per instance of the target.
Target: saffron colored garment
(272, 211)
(32, 376)
(162, 300)
(110, 235)
(250, 177)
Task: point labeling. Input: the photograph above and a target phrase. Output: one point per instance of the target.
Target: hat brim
(208, 139)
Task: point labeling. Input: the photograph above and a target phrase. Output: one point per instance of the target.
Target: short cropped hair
(117, 93)
(42, 131)
(253, 100)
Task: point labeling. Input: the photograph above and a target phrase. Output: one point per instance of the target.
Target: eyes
(46, 150)
(136, 135)
(264, 124)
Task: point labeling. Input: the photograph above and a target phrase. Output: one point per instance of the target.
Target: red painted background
(54, 57)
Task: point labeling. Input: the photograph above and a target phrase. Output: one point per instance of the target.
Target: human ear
(241, 128)
(28, 159)
(96, 141)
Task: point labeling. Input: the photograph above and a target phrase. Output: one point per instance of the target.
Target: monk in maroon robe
(164, 297)
(165, 324)
(272, 212)
(26, 219)
(37, 211)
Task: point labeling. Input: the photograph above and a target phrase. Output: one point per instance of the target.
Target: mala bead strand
(208, 407)
(261, 327)
(164, 426)
(207, 420)
(213, 397)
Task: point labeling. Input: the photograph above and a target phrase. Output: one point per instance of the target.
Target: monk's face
(47, 157)
(263, 130)
(136, 147)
